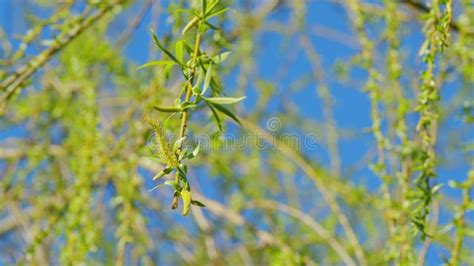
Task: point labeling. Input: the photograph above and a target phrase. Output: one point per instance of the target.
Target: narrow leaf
(173, 184)
(178, 143)
(190, 24)
(207, 79)
(211, 7)
(197, 203)
(196, 150)
(216, 115)
(179, 50)
(162, 173)
(217, 12)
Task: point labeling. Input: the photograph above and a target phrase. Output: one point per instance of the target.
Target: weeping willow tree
(236, 132)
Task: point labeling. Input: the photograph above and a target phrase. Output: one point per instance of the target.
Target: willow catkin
(164, 151)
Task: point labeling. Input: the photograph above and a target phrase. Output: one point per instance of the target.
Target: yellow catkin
(165, 152)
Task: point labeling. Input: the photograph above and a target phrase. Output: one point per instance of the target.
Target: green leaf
(196, 150)
(211, 26)
(163, 172)
(214, 112)
(211, 7)
(225, 100)
(168, 71)
(178, 143)
(217, 12)
(156, 63)
(187, 199)
(217, 59)
(197, 203)
(167, 109)
(155, 187)
(179, 50)
(187, 105)
(204, 7)
(207, 79)
(173, 184)
(162, 48)
(190, 24)
(182, 154)
(182, 169)
(227, 112)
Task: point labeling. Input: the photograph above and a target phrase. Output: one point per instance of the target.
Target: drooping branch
(13, 82)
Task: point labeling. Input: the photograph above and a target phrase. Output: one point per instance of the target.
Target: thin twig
(320, 184)
(311, 223)
(12, 83)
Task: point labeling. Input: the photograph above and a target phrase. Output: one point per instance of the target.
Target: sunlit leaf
(162, 48)
(156, 63)
(225, 100)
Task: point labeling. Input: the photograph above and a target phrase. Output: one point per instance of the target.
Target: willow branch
(12, 83)
(136, 21)
(422, 8)
(320, 184)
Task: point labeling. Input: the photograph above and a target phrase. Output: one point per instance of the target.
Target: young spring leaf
(164, 150)
(182, 154)
(210, 8)
(216, 115)
(178, 143)
(197, 203)
(196, 89)
(187, 105)
(196, 150)
(179, 50)
(204, 7)
(217, 59)
(156, 63)
(207, 79)
(190, 24)
(227, 112)
(217, 12)
(163, 172)
(155, 187)
(172, 184)
(225, 100)
(167, 109)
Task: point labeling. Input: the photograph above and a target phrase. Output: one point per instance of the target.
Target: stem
(184, 117)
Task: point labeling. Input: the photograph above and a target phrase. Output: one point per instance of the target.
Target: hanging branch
(11, 84)
(437, 33)
(198, 75)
